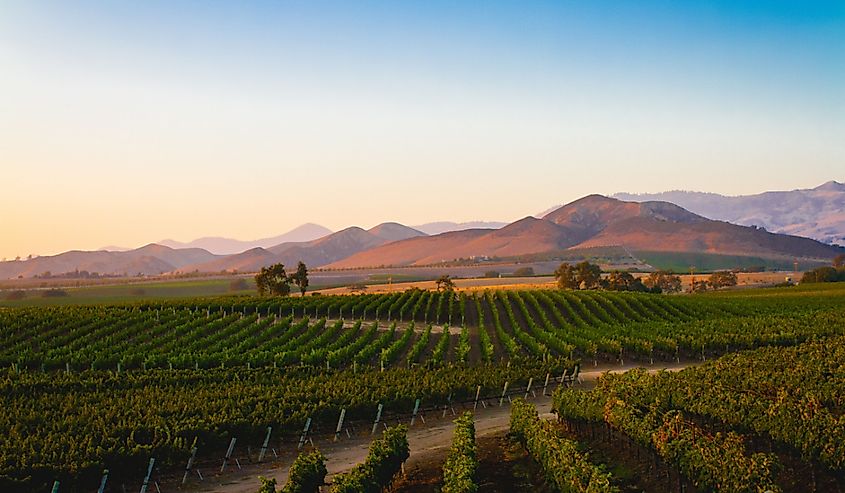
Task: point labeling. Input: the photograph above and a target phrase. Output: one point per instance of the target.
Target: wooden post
(504, 390)
(228, 454)
(339, 424)
(147, 477)
(105, 478)
(190, 463)
(545, 385)
(264, 446)
(55, 487)
(378, 418)
(528, 389)
(414, 415)
(477, 394)
(304, 433)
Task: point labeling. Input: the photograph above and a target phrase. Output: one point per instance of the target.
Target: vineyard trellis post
(228, 454)
(266, 442)
(477, 394)
(304, 433)
(378, 418)
(339, 424)
(105, 478)
(504, 391)
(147, 477)
(546, 385)
(191, 463)
(528, 389)
(416, 409)
(55, 487)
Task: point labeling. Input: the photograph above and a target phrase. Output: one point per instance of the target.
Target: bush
(491, 274)
(307, 473)
(239, 284)
(54, 293)
(523, 272)
(15, 295)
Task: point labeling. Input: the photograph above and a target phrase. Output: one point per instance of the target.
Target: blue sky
(123, 123)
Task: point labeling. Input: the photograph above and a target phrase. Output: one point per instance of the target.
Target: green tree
(587, 274)
(624, 281)
(839, 261)
(523, 272)
(445, 283)
(273, 280)
(565, 276)
(722, 279)
(300, 277)
(663, 281)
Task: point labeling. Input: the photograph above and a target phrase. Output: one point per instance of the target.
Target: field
(90, 387)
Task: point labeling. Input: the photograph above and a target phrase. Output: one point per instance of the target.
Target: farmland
(113, 385)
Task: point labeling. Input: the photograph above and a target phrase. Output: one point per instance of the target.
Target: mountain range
(817, 213)
(592, 221)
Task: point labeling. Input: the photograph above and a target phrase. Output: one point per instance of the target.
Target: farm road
(433, 437)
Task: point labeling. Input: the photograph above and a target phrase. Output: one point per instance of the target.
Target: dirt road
(430, 437)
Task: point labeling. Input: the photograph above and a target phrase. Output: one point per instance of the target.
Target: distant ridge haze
(592, 221)
(817, 213)
(227, 246)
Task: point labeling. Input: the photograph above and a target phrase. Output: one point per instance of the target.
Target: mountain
(315, 253)
(595, 221)
(665, 227)
(817, 213)
(151, 259)
(436, 228)
(394, 232)
(228, 246)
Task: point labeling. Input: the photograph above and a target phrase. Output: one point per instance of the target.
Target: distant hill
(322, 251)
(227, 246)
(817, 213)
(596, 221)
(151, 259)
(436, 228)
(661, 226)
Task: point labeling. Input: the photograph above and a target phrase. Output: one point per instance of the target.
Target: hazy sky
(129, 122)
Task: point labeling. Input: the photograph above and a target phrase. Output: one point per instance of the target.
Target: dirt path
(425, 439)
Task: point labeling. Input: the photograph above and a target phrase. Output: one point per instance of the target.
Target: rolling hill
(151, 259)
(228, 246)
(596, 221)
(817, 213)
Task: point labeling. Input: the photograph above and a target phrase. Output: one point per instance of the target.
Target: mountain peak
(391, 231)
(831, 186)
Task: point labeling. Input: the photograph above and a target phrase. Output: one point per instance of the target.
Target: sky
(124, 123)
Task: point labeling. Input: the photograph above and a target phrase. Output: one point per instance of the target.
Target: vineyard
(404, 329)
(88, 388)
(749, 422)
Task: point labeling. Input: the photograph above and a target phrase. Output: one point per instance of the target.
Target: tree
(663, 281)
(273, 280)
(587, 274)
(722, 279)
(445, 283)
(300, 277)
(839, 261)
(699, 286)
(623, 281)
(523, 272)
(565, 276)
